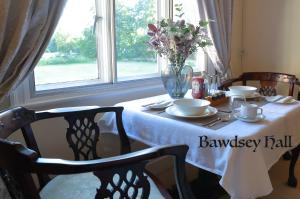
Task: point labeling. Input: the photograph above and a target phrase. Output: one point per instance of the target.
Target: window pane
(134, 58)
(196, 60)
(71, 53)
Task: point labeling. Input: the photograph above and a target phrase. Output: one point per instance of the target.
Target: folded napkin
(285, 100)
(280, 99)
(159, 104)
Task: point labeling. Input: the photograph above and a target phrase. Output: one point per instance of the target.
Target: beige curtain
(219, 12)
(26, 27)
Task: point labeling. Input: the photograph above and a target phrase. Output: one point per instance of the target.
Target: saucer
(210, 111)
(251, 96)
(244, 119)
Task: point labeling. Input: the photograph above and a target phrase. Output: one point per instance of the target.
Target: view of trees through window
(72, 52)
(133, 54)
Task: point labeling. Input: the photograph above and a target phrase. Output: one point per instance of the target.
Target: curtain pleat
(26, 28)
(219, 13)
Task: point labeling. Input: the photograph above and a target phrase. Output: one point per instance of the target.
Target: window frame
(26, 94)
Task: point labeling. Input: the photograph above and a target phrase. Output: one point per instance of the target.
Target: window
(84, 51)
(134, 59)
(71, 54)
(106, 43)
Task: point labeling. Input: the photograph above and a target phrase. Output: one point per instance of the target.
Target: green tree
(131, 37)
(65, 44)
(52, 47)
(87, 44)
(129, 20)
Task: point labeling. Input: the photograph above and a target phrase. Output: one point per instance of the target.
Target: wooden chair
(123, 176)
(292, 180)
(268, 83)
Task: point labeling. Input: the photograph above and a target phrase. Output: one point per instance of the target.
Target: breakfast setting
(206, 110)
(216, 108)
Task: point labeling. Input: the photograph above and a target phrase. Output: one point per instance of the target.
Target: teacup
(250, 111)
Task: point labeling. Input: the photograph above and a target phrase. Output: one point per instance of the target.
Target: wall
(271, 36)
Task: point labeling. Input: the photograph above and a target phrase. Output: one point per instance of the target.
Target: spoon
(223, 118)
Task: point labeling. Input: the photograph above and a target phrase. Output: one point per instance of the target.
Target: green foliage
(52, 47)
(65, 44)
(179, 10)
(163, 23)
(129, 20)
(65, 59)
(87, 44)
(131, 38)
(203, 23)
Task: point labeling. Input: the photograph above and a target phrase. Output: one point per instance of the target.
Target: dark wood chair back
(18, 162)
(268, 81)
(82, 134)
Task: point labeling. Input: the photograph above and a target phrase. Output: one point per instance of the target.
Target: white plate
(254, 95)
(210, 111)
(257, 119)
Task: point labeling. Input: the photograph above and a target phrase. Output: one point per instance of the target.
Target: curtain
(219, 13)
(26, 27)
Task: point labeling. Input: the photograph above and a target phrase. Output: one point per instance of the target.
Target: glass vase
(177, 80)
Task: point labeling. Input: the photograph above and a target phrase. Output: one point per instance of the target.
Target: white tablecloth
(244, 170)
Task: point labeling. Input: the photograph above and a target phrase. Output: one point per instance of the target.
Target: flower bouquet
(177, 40)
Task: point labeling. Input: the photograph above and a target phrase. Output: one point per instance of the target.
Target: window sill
(103, 95)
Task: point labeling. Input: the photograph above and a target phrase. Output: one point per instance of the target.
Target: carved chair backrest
(132, 175)
(269, 80)
(82, 134)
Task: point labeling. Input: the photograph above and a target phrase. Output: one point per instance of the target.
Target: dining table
(240, 152)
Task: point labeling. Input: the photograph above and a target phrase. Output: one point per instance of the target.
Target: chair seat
(82, 185)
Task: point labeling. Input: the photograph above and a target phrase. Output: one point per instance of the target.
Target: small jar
(198, 87)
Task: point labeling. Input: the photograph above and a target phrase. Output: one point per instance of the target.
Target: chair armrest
(59, 166)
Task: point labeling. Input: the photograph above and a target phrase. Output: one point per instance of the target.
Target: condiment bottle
(198, 87)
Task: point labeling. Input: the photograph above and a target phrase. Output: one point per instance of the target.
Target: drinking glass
(218, 81)
(214, 84)
(235, 103)
(209, 84)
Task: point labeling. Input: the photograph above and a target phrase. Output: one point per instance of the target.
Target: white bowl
(242, 90)
(191, 106)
